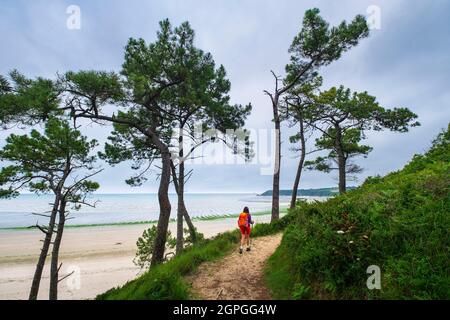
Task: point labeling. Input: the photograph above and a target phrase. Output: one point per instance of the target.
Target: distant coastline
(127, 208)
(320, 192)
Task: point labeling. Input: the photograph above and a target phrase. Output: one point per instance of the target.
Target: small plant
(146, 242)
(188, 239)
(145, 245)
(300, 292)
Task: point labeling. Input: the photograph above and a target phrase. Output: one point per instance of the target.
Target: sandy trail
(236, 277)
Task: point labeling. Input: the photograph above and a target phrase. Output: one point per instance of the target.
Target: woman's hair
(246, 209)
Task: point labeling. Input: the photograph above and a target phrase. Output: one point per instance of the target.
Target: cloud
(405, 63)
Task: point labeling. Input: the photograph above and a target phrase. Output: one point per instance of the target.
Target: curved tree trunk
(300, 166)
(44, 251)
(182, 206)
(164, 207)
(54, 267)
(191, 226)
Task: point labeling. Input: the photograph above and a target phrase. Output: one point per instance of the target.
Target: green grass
(278, 275)
(166, 281)
(399, 222)
(119, 224)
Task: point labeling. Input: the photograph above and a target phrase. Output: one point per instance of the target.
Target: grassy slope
(166, 281)
(399, 222)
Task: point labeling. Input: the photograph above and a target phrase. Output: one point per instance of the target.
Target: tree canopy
(343, 117)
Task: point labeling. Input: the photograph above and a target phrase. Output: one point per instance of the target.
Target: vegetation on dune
(146, 242)
(399, 222)
(165, 281)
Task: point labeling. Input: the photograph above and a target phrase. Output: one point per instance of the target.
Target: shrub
(146, 241)
(399, 222)
(165, 281)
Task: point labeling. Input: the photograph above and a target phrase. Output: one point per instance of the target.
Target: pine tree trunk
(342, 174)
(180, 204)
(341, 161)
(300, 166)
(186, 216)
(44, 251)
(276, 173)
(164, 207)
(188, 220)
(54, 268)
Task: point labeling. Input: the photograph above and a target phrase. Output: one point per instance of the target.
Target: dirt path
(236, 277)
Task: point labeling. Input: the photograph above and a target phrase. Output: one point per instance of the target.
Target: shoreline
(283, 209)
(102, 256)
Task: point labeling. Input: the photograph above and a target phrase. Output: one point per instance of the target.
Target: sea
(26, 209)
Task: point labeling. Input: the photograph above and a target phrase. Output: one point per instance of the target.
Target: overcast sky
(406, 63)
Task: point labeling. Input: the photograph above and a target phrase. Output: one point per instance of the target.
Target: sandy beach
(100, 257)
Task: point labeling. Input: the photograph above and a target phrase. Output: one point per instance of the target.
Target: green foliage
(351, 147)
(99, 86)
(344, 119)
(279, 275)
(362, 110)
(164, 85)
(27, 101)
(145, 245)
(399, 222)
(321, 44)
(165, 282)
(300, 292)
(42, 162)
(188, 239)
(317, 44)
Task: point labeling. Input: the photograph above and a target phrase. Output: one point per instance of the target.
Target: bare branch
(43, 229)
(81, 180)
(66, 276)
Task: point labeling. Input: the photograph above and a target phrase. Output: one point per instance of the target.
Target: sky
(405, 62)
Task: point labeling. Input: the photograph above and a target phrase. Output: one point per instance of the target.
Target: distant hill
(321, 192)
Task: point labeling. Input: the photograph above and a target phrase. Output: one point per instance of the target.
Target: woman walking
(244, 222)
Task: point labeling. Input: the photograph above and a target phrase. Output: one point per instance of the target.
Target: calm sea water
(113, 208)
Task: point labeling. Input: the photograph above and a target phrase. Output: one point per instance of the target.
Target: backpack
(243, 219)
